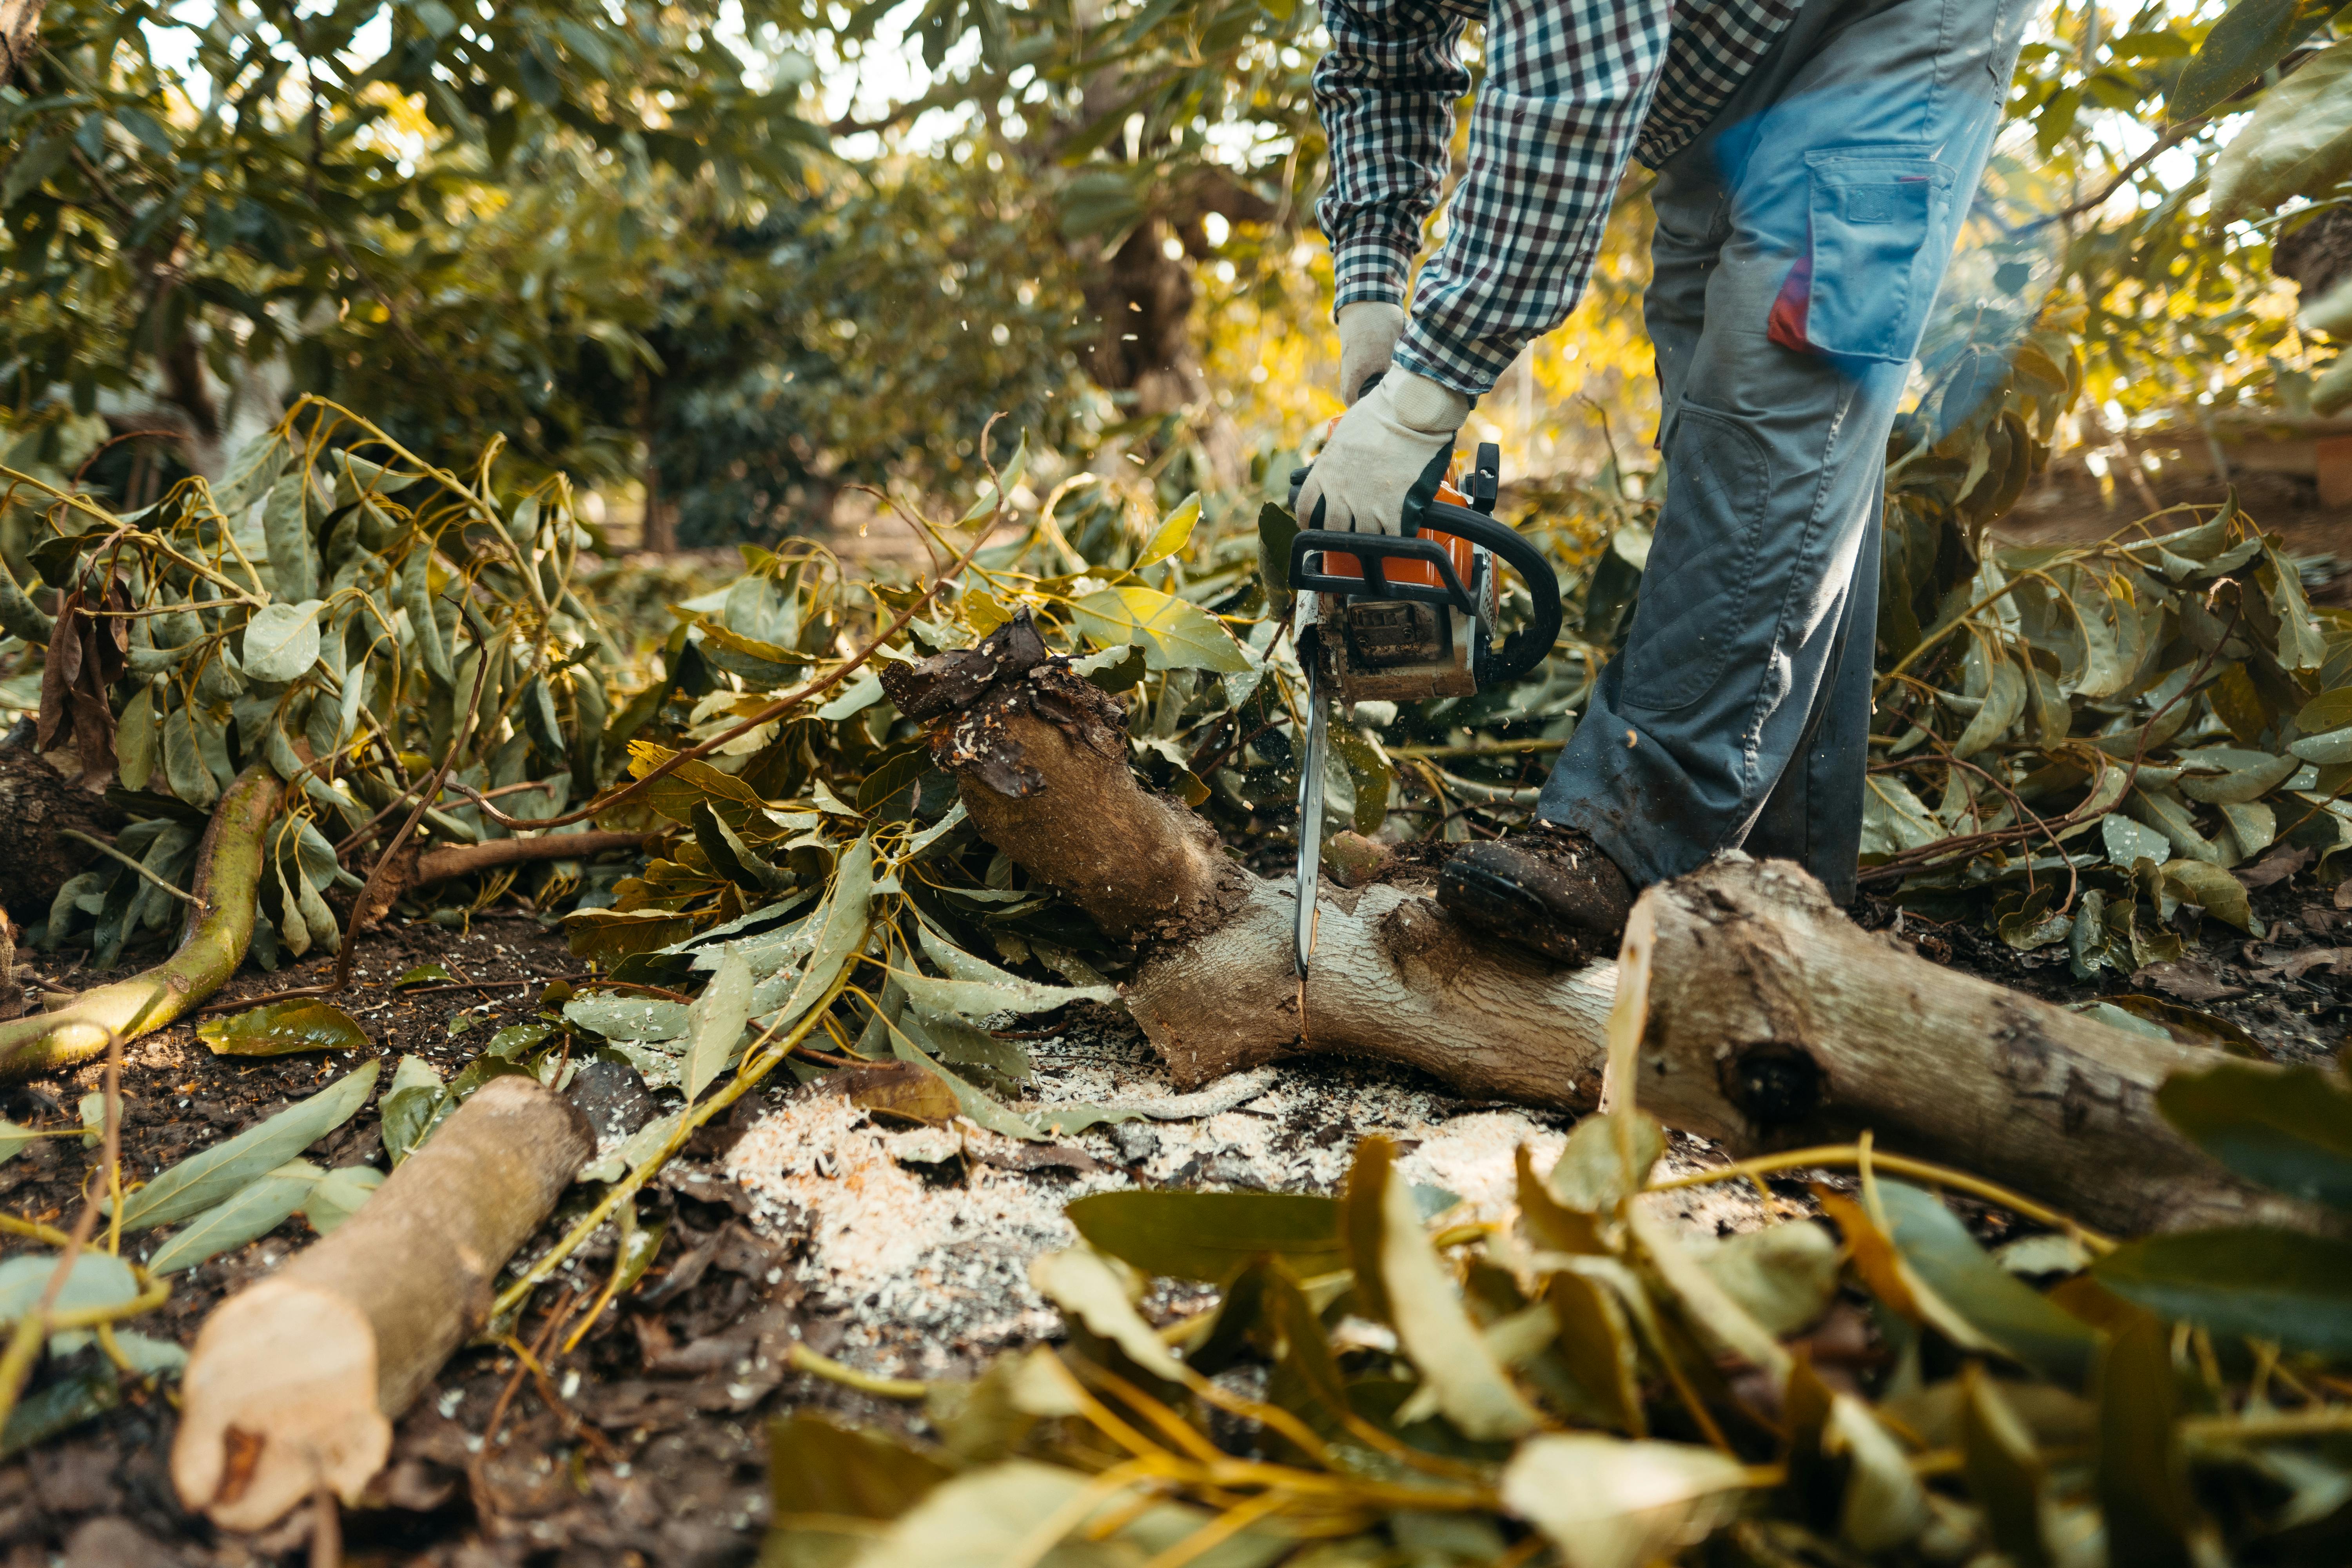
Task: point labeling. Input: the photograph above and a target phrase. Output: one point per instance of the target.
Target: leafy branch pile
(1596, 1386)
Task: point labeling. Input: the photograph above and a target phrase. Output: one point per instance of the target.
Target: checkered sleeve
(1571, 85)
(1386, 90)
(1567, 86)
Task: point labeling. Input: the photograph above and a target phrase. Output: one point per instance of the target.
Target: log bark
(294, 1383)
(1774, 1022)
(227, 888)
(36, 858)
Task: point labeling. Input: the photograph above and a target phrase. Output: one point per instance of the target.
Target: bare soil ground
(805, 1220)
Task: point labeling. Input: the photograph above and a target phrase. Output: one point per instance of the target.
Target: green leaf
(988, 1517)
(98, 1280)
(339, 1195)
(1276, 529)
(2141, 1485)
(1086, 1285)
(715, 1023)
(2289, 1127)
(2251, 38)
(255, 1209)
(1211, 1236)
(286, 531)
(2297, 142)
(1610, 1503)
(282, 1028)
(2214, 891)
(841, 926)
(815, 1467)
(1461, 1379)
(1368, 772)
(976, 1103)
(1174, 634)
(2128, 842)
(2004, 1470)
(281, 641)
(1784, 1276)
(2009, 1313)
(1172, 534)
(2004, 702)
(2260, 1282)
(1591, 1175)
(205, 1179)
(2231, 774)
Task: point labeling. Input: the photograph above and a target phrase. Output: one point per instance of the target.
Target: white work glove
(1393, 442)
(1369, 330)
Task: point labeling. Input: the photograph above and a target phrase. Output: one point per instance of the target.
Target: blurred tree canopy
(633, 238)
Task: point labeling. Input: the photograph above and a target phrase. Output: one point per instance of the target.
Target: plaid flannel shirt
(1572, 87)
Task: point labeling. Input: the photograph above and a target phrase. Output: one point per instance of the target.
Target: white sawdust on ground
(927, 1259)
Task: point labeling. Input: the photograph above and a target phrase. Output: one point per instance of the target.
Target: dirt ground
(652, 1452)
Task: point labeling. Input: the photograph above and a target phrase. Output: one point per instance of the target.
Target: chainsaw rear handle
(1524, 648)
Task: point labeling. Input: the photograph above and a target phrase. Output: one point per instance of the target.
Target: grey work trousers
(1820, 209)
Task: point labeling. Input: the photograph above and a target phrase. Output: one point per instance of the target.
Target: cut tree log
(37, 804)
(227, 889)
(294, 1383)
(1775, 1022)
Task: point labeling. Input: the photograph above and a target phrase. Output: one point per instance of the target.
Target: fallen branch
(220, 928)
(1777, 1023)
(294, 1384)
(417, 865)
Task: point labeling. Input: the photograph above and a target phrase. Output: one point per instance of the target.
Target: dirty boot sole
(1501, 908)
(1547, 892)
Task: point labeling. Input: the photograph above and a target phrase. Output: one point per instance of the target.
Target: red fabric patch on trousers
(1792, 306)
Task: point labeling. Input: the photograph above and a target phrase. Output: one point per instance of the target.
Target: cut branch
(416, 865)
(294, 1384)
(220, 928)
(1779, 1023)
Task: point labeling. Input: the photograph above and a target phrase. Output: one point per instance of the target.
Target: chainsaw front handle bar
(1520, 652)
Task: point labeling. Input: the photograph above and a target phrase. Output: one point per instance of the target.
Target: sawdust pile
(922, 1240)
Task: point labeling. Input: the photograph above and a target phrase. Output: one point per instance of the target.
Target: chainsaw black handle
(1524, 648)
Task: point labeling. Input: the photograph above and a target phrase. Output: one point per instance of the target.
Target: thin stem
(111, 853)
(1838, 1154)
(800, 1358)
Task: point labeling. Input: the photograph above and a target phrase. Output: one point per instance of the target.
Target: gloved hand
(1369, 330)
(1394, 444)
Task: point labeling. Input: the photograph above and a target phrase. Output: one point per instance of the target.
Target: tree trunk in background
(657, 533)
(20, 20)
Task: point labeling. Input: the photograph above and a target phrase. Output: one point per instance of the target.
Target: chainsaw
(1404, 617)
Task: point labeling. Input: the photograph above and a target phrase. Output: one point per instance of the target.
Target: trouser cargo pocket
(1882, 223)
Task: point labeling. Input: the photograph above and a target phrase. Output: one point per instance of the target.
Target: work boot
(1549, 888)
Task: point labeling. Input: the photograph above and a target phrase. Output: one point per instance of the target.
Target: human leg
(1851, 162)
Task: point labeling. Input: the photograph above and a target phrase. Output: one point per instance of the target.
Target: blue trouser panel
(1738, 714)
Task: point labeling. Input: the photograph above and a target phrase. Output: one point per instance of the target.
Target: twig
(1479, 749)
(800, 1358)
(754, 1069)
(1862, 1155)
(326, 1531)
(111, 853)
